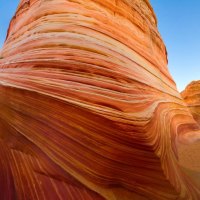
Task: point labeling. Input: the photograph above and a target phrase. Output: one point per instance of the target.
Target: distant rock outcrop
(191, 96)
(88, 107)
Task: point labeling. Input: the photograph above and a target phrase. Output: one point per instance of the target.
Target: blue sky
(178, 23)
(7, 10)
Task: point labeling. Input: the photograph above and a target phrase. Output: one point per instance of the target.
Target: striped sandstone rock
(88, 108)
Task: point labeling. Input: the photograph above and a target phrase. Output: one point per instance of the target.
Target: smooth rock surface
(88, 107)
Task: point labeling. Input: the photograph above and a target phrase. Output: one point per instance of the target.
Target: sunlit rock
(191, 96)
(88, 107)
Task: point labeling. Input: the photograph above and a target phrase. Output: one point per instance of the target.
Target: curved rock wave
(88, 107)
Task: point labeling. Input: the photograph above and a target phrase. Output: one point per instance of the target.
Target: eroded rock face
(88, 107)
(189, 157)
(191, 96)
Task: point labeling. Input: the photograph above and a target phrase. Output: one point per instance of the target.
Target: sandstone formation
(190, 157)
(89, 110)
(191, 96)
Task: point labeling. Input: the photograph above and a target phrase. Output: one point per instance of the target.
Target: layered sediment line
(88, 107)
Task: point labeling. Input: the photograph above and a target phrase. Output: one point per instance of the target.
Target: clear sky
(7, 10)
(178, 23)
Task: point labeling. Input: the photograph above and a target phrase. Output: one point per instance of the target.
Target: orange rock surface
(191, 96)
(89, 110)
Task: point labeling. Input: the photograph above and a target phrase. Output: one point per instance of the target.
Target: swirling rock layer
(88, 107)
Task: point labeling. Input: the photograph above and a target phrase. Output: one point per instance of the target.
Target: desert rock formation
(189, 157)
(88, 107)
(191, 96)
